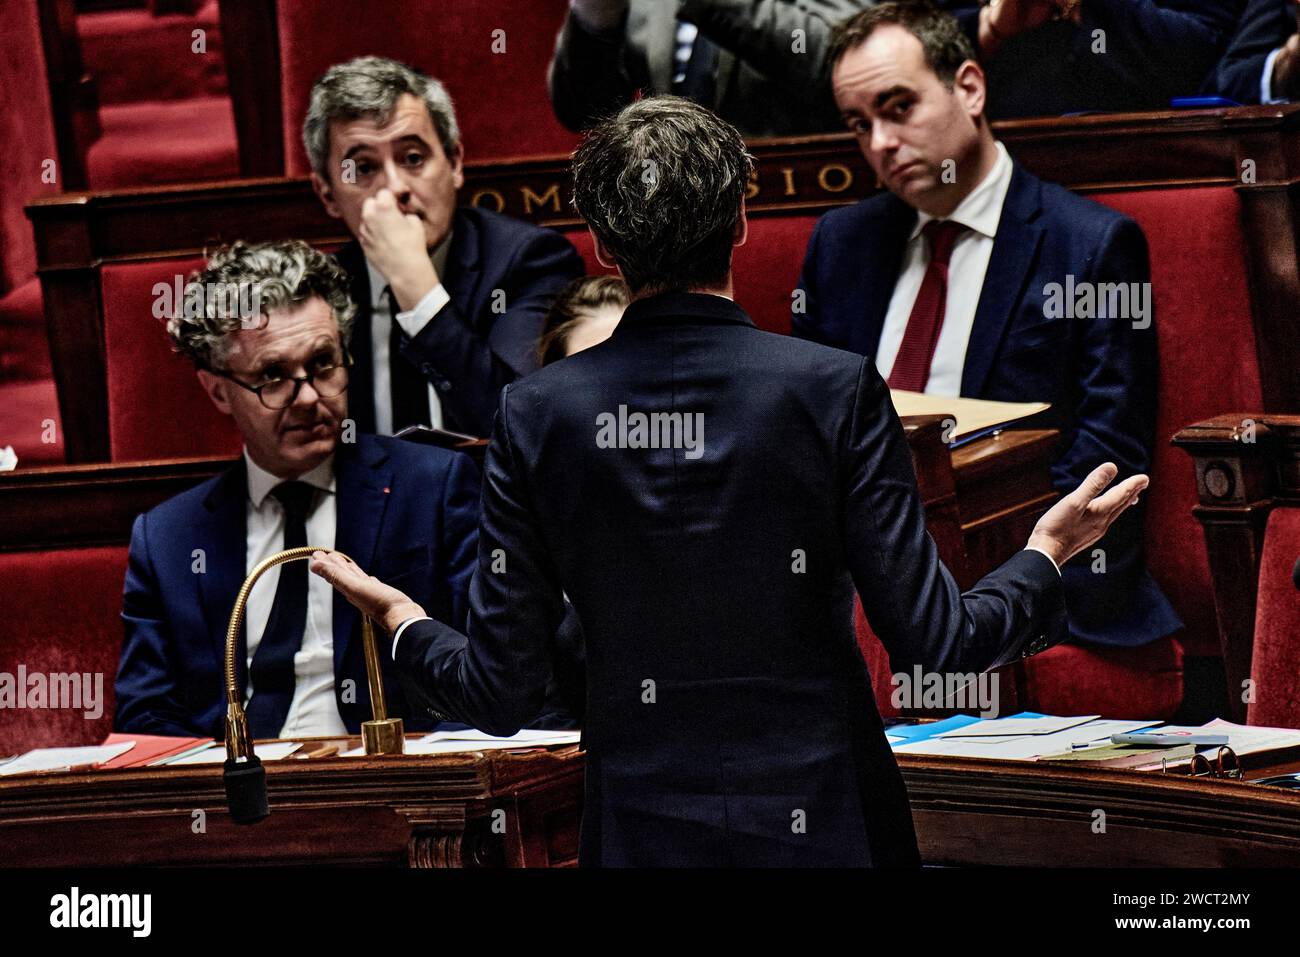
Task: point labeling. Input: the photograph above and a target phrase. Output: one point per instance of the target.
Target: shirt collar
(378, 283)
(982, 208)
(261, 482)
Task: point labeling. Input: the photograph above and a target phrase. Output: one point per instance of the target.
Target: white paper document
(53, 759)
(1005, 727)
(270, 751)
(1025, 747)
(456, 742)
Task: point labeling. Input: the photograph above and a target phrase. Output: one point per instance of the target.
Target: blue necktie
(272, 672)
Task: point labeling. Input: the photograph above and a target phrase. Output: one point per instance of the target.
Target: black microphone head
(1295, 574)
(246, 790)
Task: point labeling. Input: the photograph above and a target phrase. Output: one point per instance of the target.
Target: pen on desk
(324, 751)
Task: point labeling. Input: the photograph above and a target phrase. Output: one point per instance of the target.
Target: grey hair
(368, 87)
(661, 185)
(267, 276)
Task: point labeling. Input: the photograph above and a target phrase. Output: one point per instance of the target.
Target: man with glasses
(408, 513)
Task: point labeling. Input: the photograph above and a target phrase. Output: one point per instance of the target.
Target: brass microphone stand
(381, 735)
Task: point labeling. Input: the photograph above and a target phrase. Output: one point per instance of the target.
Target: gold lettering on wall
(475, 200)
(549, 198)
(787, 174)
(845, 177)
(751, 188)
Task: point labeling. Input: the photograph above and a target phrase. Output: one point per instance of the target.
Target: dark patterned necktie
(410, 393)
(271, 672)
(911, 369)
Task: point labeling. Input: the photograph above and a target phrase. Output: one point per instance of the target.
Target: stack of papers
(1032, 735)
(457, 742)
(62, 759)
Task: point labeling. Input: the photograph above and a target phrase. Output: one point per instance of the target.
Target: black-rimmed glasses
(329, 378)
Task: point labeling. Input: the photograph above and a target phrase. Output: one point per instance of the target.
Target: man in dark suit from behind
(272, 356)
(709, 496)
(969, 277)
(450, 300)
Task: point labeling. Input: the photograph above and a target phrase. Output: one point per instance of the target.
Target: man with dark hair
(709, 496)
(450, 299)
(953, 283)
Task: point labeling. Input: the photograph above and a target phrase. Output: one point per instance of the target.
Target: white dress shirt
(314, 710)
(979, 212)
(381, 324)
(1266, 81)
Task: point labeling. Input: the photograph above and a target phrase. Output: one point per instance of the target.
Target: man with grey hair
(709, 495)
(266, 328)
(450, 300)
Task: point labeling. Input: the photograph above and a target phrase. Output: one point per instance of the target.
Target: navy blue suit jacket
(1155, 50)
(1098, 374)
(406, 513)
(470, 349)
(727, 701)
(1264, 27)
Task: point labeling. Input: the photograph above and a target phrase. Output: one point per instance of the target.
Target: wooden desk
(437, 811)
(975, 812)
(412, 810)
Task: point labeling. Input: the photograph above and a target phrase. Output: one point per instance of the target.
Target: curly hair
(243, 282)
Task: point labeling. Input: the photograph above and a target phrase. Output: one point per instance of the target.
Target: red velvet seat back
(501, 100)
(1275, 668)
(766, 267)
(1208, 365)
(62, 615)
(27, 132)
(156, 407)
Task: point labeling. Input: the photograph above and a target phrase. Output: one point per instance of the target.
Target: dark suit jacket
(763, 85)
(1155, 50)
(1098, 374)
(728, 703)
(468, 350)
(406, 513)
(1264, 27)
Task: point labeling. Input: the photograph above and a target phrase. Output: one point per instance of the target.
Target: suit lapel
(361, 390)
(880, 269)
(1014, 252)
(223, 538)
(363, 480)
(464, 267)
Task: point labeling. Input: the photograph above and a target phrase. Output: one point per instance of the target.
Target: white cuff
(1028, 548)
(1266, 81)
(413, 320)
(401, 628)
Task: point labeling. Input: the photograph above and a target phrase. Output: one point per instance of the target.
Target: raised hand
(1082, 517)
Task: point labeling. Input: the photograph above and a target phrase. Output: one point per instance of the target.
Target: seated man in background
(759, 63)
(407, 512)
(585, 313)
(450, 299)
(1262, 64)
(1050, 57)
(947, 281)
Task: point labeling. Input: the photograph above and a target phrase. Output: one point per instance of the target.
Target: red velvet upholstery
(1208, 365)
(1137, 683)
(140, 145)
(64, 616)
(501, 100)
(156, 408)
(1275, 668)
(27, 132)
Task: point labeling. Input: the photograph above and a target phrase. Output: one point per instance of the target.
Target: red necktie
(912, 364)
